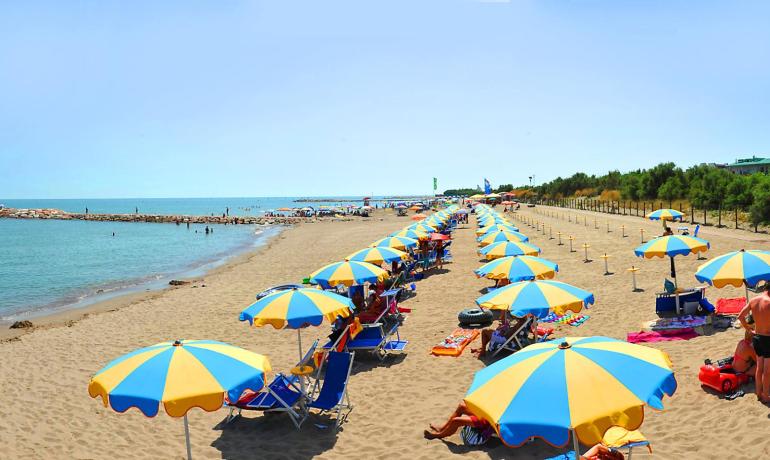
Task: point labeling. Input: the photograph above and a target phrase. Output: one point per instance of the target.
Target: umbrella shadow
(366, 362)
(495, 449)
(274, 436)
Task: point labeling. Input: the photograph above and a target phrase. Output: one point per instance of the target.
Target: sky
(284, 98)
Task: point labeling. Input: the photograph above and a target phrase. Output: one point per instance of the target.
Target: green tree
(672, 189)
(760, 208)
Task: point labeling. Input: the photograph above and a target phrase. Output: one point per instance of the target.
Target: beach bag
(475, 436)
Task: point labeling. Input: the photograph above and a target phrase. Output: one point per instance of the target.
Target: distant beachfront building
(750, 165)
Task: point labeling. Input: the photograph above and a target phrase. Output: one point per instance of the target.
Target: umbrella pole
(299, 341)
(575, 444)
(187, 437)
(746, 288)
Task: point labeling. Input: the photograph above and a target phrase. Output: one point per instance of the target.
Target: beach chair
(333, 395)
(518, 340)
(283, 394)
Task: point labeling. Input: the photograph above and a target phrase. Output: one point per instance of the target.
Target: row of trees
(704, 186)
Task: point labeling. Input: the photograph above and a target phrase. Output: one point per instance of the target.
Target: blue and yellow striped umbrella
(421, 227)
(348, 273)
(518, 268)
(672, 245)
(411, 233)
(397, 242)
(736, 269)
(665, 214)
(297, 308)
(496, 228)
(537, 298)
(583, 385)
(378, 255)
(496, 237)
(179, 375)
(509, 248)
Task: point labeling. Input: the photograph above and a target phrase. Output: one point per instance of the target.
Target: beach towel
(666, 335)
(573, 319)
(454, 344)
(678, 322)
(730, 306)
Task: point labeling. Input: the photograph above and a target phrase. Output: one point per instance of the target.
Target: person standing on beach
(759, 308)
(136, 209)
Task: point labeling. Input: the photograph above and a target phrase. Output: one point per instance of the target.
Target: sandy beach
(47, 412)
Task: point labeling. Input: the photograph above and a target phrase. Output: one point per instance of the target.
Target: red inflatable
(721, 376)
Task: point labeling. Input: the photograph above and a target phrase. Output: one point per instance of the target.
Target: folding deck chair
(333, 395)
(376, 338)
(518, 340)
(283, 394)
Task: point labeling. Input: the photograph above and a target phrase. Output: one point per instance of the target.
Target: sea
(47, 266)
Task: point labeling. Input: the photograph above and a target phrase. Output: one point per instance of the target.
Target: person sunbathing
(745, 358)
(499, 335)
(373, 310)
(461, 417)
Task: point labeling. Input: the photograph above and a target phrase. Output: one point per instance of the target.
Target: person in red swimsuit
(460, 417)
(745, 358)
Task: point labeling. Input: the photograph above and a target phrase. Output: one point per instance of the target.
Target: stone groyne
(12, 213)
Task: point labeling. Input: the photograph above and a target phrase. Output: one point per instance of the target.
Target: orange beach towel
(455, 343)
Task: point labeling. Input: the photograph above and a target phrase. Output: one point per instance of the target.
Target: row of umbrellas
(574, 385)
(183, 374)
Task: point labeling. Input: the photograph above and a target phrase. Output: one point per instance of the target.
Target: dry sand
(46, 411)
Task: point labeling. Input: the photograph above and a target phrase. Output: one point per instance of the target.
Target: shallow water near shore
(48, 266)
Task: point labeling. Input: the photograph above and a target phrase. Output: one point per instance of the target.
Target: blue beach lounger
(333, 396)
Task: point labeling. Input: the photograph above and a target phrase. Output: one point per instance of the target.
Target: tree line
(704, 186)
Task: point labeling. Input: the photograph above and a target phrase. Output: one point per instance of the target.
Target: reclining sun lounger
(333, 396)
(519, 339)
(283, 394)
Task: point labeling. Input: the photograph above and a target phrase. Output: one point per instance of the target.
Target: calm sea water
(50, 265)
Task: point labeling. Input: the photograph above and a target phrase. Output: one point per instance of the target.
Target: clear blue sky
(244, 98)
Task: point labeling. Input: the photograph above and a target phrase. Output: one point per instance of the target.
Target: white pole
(299, 341)
(187, 438)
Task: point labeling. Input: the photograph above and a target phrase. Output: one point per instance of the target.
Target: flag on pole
(487, 187)
(435, 184)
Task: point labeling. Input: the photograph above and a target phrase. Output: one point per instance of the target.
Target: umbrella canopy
(462, 211)
(496, 228)
(378, 255)
(672, 245)
(297, 308)
(582, 384)
(519, 268)
(665, 214)
(736, 269)
(348, 273)
(398, 242)
(284, 209)
(419, 216)
(411, 233)
(509, 248)
(416, 207)
(422, 227)
(439, 237)
(537, 298)
(179, 375)
(495, 237)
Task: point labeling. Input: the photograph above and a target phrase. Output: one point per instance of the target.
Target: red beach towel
(730, 306)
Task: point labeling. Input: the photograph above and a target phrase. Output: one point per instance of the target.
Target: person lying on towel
(461, 417)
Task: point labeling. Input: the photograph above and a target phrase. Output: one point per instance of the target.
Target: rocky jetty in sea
(13, 213)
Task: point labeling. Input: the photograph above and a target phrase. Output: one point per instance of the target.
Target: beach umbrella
(496, 228)
(378, 255)
(439, 237)
(348, 273)
(671, 246)
(415, 208)
(509, 248)
(665, 214)
(518, 268)
(575, 385)
(284, 209)
(736, 268)
(179, 375)
(411, 233)
(425, 228)
(398, 242)
(462, 211)
(537, 298)
(297, 309)
(418, 216)
(495, 237)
